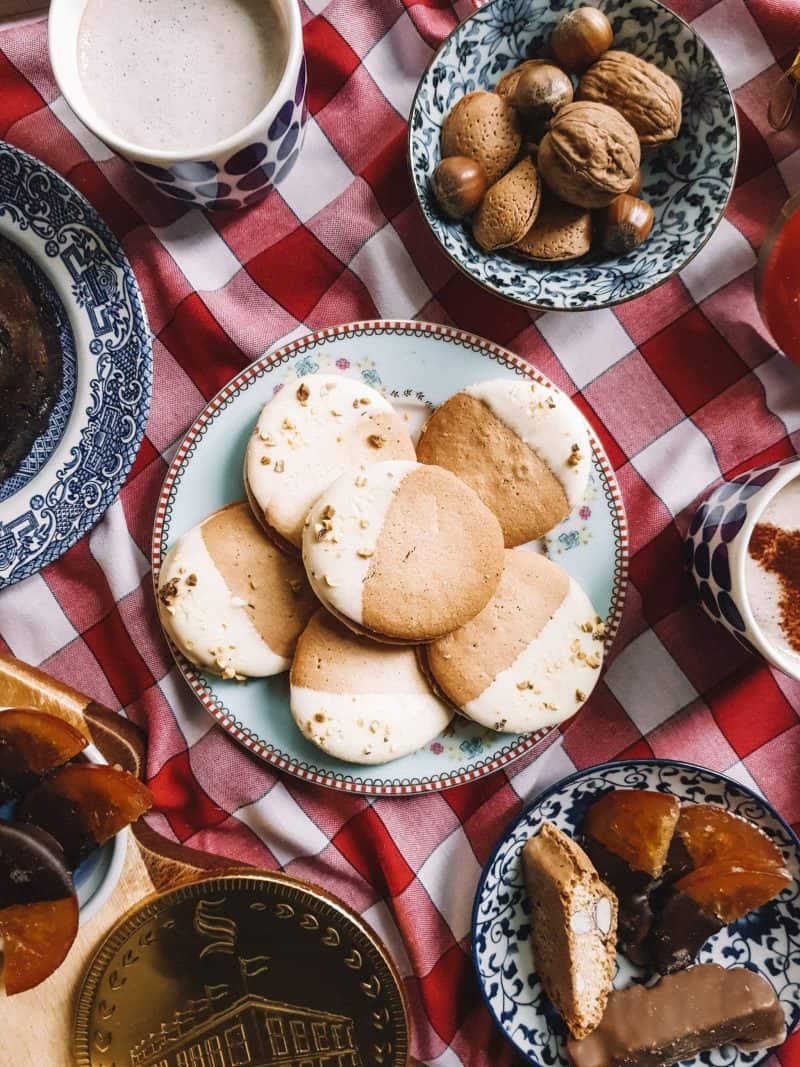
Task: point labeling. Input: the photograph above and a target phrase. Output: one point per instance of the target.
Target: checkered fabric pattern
(683, 385)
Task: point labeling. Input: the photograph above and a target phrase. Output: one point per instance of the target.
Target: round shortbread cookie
(402, 552)
(230, 600)
(522, 446)
(311, 432)
(532, 656)
(360, 701)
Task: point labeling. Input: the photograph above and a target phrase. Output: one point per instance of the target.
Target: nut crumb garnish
(192, 579)
(287, 424)
(360, 481)
(500, 725)
(295, 584)
(319, 716)
(593, 661)
(364, 553)
(580, 696)
(363, 524)
(587, 627)
(280, 466)
(336, 414)
(367, 750)
(168, 592)
(376, 440)
(265, 461)
(551, 402)
(574, 457)
(328, 581)
(303, 393)
(327, 512)
(267, 439)
(374, 726)
(545, 705)
(364, 400)
(524, 685)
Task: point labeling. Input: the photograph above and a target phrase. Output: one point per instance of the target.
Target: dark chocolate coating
(679, 931)
(633, 890)
(15, 778)
(32, 866)
(45, 807)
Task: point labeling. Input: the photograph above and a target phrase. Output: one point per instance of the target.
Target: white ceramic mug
(234, 172)
(717, 548)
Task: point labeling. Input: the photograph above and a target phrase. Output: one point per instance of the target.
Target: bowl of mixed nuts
(572, 158)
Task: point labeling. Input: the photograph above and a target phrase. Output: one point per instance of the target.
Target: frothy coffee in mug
(773, 570)
(178, 75)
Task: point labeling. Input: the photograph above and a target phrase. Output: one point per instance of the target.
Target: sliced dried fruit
(730, 893)
(33, 743)
(484, 127)
(38, 906)
(509, 208)
(83, 805)
(710, 835)
(636, 824)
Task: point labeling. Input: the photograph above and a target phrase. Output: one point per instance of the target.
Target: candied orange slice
(635, 824)
(731, 892)
(107, 798)
(36, 938)
(711, 834)
(42, 741)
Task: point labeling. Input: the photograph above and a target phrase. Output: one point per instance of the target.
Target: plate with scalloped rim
(768, 941)
(688, 181)
(417, 365)
(77, 465)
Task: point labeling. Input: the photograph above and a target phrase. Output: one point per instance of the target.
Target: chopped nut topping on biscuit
(551, 402)
(319, 716)
(265, 461)
(168, 592)
(376, 440)
(287, 424)
(280, 466)
(364, 553)
(336, 414)
(580, 696)
(364, 400)
(363, 524)
(328, 581)
(327, 512)
(303, 393)
(360, 481)
(192, 579)
(574, 457)
(267, 439)
(524, 685)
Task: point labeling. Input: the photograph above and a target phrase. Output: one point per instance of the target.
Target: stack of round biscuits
(389, 578)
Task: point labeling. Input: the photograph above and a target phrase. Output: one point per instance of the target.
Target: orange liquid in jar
(779, 283)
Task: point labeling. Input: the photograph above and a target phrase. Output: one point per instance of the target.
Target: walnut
(647, 97)
(590, 155)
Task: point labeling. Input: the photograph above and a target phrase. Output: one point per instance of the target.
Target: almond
(647, 97)
(509, 208)
(484, 127)
(561, 231)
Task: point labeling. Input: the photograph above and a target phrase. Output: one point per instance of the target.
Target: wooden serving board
(37, 1025)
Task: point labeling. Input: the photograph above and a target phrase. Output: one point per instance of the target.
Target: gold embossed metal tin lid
(250, 970)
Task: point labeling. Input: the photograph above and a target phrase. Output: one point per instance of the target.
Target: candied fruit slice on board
(33, 743)
(636, 824)
(36, 939)
(711, 834)
(84, 804)
(729, 892)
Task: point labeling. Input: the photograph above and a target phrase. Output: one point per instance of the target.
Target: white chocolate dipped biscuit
(401, 551)
(522, 446)
(230, 600)
(531, 658)
(306, 437)
(361, 701)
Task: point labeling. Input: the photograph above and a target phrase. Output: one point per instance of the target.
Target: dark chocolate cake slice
(30, 363)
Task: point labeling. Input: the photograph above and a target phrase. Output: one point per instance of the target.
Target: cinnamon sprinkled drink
(773, 570)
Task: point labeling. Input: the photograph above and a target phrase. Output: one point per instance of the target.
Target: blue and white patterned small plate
(768, 941)
(688, 182)
(417, 365)
(78, 464)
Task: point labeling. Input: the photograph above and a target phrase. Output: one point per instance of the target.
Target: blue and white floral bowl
(233, 173)
(767, 941)
(716, 552)
(688, 182)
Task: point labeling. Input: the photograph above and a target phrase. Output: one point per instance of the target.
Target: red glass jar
(778, 279)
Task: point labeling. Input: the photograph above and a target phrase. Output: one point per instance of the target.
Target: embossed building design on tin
(250, 1031)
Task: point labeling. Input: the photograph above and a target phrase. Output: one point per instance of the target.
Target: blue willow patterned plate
(687, 182)
(768, 941)
(78, 463)
(417, 365)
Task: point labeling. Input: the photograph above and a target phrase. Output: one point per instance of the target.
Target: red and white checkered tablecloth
(683, 385)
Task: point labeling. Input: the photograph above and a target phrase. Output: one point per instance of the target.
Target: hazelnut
(580, 37)
(484, 127)
(541, 91)
(507, 85)
(458, 183)
(648, 98)
(627, 221)
(589, 155)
